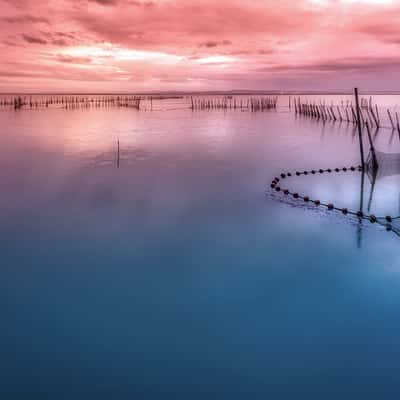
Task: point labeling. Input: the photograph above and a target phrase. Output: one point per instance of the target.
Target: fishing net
(388, 164)
(378, 164)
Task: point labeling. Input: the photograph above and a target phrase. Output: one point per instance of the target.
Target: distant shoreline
(202, 93)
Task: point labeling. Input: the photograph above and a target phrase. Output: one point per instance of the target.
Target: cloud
(142, 3)
(10, 43)
(200, 42)
(385, 32)
(73, 60)
(59, 42)
(211, 43)
(265, 51)
(361, 64)
(33, 39)
(27, 18)
(188, 23)
(105, 2)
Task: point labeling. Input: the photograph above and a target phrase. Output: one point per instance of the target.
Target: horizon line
(208, 92)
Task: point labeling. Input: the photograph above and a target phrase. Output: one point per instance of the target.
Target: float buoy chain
(276, 185)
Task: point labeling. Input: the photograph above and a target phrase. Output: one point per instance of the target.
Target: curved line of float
(277, 183)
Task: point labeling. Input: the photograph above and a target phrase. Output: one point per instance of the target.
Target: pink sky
(161, 45)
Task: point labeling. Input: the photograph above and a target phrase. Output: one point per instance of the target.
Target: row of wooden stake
(70, 102)
(369, 114)
(229, 103)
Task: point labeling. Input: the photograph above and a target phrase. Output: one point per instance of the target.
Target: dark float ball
(283, 176)
(286, 191)
(321, 171)
(360, 214)
(278, 189)
(372, 219)
(296, 195)
(388, 218)
(306, 199)
(337, 169)
(345, 211)
(330, 206)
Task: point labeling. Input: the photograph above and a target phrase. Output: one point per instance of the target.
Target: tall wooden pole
(359, 128)
(372, 149)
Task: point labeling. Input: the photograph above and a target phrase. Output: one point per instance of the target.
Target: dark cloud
(27, 18)
(105, 2)
(68, 35)
(17, 74)
(58, 38)
(33, 39)
(138, 3)
(208, 44)
(238, 52)
(59, 42)
(10, 43)
(340, 66)
(73, 60)
(265, 51)
(211, 43)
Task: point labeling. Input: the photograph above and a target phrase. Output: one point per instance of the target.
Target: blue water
(180, 274)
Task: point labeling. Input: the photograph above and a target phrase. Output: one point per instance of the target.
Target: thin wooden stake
(359, 128)
(391, 120)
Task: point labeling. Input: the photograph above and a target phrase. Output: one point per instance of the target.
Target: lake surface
(181, 274)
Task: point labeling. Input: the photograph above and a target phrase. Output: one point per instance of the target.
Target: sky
(199, 45)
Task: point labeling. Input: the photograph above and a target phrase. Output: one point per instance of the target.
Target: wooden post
(372, 149)
(377, 114)
(333, 114)
(340, 114)
(397, 122)
(354, 116)
(391, 120)
(347, 115)
(359, 128)
(374, 116)
(369, 117)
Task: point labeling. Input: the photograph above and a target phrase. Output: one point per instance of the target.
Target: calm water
(180, 274)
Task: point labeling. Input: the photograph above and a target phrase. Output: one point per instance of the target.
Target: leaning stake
(359, 128)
